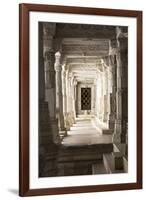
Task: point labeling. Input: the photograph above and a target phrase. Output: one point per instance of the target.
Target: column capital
(58, 45)
(63, 73)
(113, 47)
(57, 55)
(64, 67)
(75, 82)
(113, 43)
(112, 60)
(70, 75)
(49, 30)
(57, 64)
(49, 58)
(121, 32)
(122, 38)
(105, 61)
(122, 44)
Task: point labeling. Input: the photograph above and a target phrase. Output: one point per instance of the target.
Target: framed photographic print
(80, 99)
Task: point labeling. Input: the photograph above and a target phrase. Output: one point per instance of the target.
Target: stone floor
(83, 132)
(82, 150)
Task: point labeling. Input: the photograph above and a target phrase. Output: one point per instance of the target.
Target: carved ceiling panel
(83, 59)
(65, 30)
(83, 67)
(85, 50)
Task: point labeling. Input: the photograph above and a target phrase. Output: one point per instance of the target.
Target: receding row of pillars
(112, 91)
(111, 86)
(58, 88)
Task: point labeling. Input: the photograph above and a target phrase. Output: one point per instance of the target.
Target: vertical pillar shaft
(64, 92)
(46, 134)
(121, 94)
(112, 114)
(102, 97)
(64, 89)
(49, 59)
(95, 96)
(59, 101)
(50, 82)
(73, 99)
(105, 97)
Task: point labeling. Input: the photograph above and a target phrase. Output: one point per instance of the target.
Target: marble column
(67, 90)
(122, 90)
(95, 97)
(48, 149)
(45, 132)
(73, 99)
(75, 96)
(98, 95)
(59, 98)
(49, 59)
(70, 98)
(69, 93)
(64, 92)
(101, 99)
(105, 97)
(112, 114)
(50, 82)
(77, 109)
(68, 118)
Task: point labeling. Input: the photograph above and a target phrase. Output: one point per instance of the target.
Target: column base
(55, 130)
(118, 160)
(116, 138)
(120, 131)
(62, 133)
(111, 121)
(48, 160)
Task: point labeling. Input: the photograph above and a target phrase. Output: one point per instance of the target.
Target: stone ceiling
(83, 47)
(83, 56)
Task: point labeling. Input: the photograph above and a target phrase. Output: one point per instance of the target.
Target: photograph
(83, 99)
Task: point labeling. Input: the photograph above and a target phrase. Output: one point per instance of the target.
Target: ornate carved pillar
(64, 93)
(64, 88)
(107, 89)
(101, 99)
(95, 96)
(46, 135)
(113, 67)
(112, 100)
(122, 84)
(73, 98)
(59, 101)
(69, 92)
(98, 95)
(77, 109)
(49, 31)
(50, 82)
(68, 100)
(70, 97)
(105, 92)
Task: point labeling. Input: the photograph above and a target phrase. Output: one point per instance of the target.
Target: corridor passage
(84, 132)
(83, 99)
(82, 149)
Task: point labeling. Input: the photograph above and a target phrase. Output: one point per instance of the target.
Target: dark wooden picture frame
(24, 10)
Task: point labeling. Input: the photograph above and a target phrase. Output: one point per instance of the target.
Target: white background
(9, 99)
